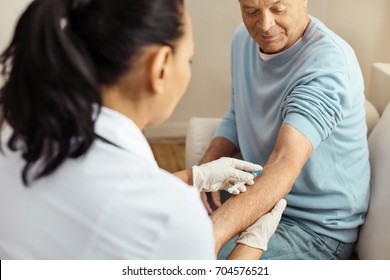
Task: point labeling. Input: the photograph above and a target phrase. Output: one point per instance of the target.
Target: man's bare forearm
(275, 182)
(239, 212)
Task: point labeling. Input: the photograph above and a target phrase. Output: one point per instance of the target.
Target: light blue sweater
(317, 87)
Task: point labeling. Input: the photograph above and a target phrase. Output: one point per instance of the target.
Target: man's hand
(216, 200)
(223, 173)
(258, 234)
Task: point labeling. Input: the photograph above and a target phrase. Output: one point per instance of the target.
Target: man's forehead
(251, 3)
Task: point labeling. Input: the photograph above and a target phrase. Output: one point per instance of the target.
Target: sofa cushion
(374, 238)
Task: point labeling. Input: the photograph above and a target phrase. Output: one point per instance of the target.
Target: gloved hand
(258, 234)
(223, 173)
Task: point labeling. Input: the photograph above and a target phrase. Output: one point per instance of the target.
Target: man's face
(275, 25)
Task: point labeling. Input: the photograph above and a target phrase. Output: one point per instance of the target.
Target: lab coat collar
(123, 132)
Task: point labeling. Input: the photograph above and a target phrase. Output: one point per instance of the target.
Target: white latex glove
(223, 173)
(240, 186)
(258, 234)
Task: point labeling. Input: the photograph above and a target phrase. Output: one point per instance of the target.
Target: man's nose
(265, 21)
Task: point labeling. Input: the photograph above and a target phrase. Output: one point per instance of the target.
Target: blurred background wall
(9, 12)
(365, 24)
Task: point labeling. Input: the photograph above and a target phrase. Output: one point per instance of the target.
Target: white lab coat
(112, 203)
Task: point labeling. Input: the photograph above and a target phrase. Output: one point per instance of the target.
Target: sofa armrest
(372, 116)
(379, 90)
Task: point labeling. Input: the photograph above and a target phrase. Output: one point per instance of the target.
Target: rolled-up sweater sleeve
(318, 106)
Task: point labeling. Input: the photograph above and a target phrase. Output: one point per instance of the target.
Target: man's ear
(159, 68)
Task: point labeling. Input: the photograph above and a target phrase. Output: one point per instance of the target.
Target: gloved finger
(236, 175)
(251, 182)
(235, 188)
(244, 165)
(242, 188)
(235, 192)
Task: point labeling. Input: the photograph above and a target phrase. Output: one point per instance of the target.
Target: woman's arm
(185, 176)
(244, 252)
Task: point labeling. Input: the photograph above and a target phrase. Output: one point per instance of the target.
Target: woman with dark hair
(79, 181)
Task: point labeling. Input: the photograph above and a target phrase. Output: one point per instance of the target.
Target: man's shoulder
(242, 41)
(322, 46)
(324, 38)
(240, 33)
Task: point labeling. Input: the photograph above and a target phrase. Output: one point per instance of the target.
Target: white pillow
(200, 132)
(374, 238)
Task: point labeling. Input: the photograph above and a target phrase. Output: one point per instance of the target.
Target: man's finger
(216, 198)
(206, 204)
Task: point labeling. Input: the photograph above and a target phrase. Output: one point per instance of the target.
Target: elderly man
(297, 107)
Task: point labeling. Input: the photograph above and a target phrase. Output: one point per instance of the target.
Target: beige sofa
(374, 237)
